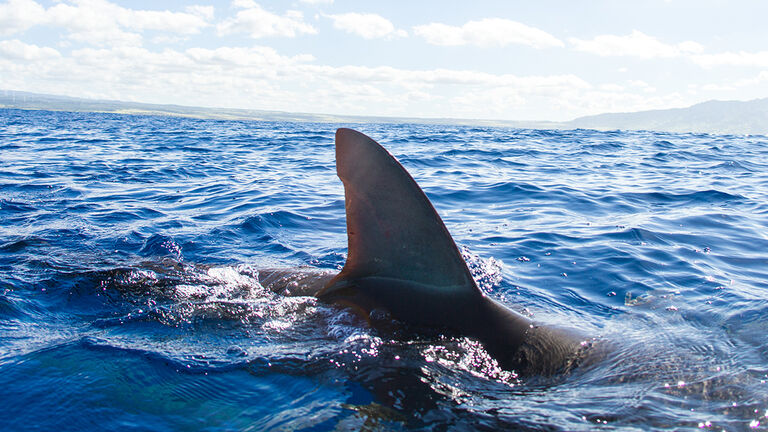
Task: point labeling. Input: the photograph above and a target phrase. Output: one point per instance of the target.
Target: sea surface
(130, 248)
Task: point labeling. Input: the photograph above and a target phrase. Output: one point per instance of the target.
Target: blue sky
(513, 60)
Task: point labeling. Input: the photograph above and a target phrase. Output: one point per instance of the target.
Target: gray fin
(392, 229)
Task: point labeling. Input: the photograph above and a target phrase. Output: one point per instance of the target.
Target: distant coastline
(36, 101)
(716, 117)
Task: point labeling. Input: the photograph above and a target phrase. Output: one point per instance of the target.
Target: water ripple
(130, 248)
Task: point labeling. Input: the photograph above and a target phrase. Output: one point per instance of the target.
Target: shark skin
(402, 260)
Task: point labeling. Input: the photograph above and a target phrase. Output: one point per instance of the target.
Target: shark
(403, 262)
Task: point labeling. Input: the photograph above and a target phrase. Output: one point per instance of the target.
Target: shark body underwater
(402, 261)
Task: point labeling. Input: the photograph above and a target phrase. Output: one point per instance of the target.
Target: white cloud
(760, 78)
(610, 87)
(598, 101)
(245, 57)
(204, 12)
(441, 34)
(731, 85)
(259, 23)
(238, 76)
(95, 23)
(314, 2)
(436, 92)
(641, 85)
(741, 58)
(101, 14)
(165, 39)
(366, 25)
(19, 15)
(715, 87)
(245, 4)
(18, 50)
(85, 26)
(262, 78)
(487, 32)
(173, 22)
(100, 22)
(750, 82)
(636, 44)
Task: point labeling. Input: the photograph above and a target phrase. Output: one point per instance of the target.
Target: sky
(506, 60)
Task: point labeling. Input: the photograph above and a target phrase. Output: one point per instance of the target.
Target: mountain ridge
(713, 116)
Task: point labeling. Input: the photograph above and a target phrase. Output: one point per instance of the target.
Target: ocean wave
(130, 248)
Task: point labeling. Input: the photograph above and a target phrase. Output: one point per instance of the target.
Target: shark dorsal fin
(392, 229)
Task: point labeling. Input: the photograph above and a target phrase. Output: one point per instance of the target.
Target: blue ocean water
(130, 245)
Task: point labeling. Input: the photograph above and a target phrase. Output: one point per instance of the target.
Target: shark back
(402, 259)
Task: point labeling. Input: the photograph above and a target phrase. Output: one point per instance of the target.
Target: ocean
(130, 247)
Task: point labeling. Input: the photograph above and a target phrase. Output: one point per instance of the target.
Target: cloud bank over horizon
(365, 58)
